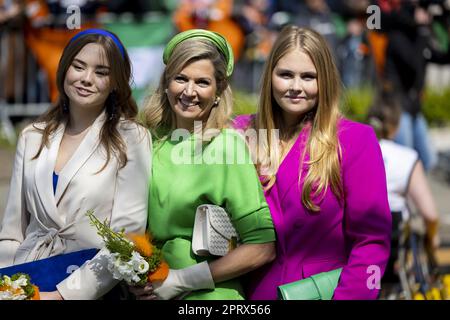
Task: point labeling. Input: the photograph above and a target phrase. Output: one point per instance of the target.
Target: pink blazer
(353, 233)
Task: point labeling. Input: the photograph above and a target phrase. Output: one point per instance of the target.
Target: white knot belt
(46, 243)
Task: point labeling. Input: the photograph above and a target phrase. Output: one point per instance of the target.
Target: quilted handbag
(320, 286)
(213, 233)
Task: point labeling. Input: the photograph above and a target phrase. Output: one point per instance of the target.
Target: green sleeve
(239, 191)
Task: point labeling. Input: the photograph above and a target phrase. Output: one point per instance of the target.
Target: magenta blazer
(353, 233)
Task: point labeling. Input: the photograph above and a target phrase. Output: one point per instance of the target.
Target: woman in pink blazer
(323, 175)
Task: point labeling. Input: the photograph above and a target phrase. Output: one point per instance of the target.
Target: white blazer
(38, 223)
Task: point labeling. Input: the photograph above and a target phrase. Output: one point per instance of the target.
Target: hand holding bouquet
(132, 257)
(18, 287)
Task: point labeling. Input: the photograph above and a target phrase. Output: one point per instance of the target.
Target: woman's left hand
(50, 295)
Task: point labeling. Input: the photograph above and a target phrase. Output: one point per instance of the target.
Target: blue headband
(104, 33)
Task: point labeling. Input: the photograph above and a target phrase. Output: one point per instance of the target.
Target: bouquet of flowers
(132, 257)
(18, 287)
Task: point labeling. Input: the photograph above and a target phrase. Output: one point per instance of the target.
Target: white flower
(5, 295)
(142, 267)
(139, 264)
(19, 297)
(7, 281)
(124, 267)
(136, 278)
(128, 271)
(135, 256)
(8, 295)
(21, 282)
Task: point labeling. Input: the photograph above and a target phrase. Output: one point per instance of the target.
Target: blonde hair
(323, 145)
(158, 115)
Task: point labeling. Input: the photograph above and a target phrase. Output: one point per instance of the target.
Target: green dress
(186, 174)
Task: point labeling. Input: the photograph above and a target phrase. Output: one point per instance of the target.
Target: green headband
(217, 39)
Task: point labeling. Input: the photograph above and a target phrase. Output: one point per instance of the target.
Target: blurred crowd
(385, 47)
(33, 33)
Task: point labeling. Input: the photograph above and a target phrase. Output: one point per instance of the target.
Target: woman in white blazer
(97, 157)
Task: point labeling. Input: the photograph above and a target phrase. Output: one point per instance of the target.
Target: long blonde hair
(323, 145)
(158, 115)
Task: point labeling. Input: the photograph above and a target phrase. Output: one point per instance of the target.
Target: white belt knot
(50, 235)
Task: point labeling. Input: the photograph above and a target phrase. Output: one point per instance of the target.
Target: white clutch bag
(213, 234)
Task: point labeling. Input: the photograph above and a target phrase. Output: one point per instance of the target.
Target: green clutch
(317, 287)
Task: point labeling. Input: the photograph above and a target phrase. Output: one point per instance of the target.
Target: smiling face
(294, 85)
(87, 80)
(192, 93)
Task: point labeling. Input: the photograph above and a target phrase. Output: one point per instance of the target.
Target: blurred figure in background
(408, 27)
(12, 53)
(353, 49)
(47, 33)
(316, 14)
(213, 15)
(406, 179)
(254, 17)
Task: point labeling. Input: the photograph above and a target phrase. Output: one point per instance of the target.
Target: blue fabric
(55, 181)
(413, 133)
(47, 273)
(103, 33)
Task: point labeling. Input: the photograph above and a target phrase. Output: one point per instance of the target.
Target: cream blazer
(38, 223)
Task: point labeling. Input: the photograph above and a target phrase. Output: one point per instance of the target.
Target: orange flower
(36, 295)
(142, 243)
(160, 274)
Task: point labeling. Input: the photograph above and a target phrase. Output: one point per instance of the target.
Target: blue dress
(55, 181)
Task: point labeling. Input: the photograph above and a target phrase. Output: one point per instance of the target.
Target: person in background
(410, 47)
(213, 15)
(406, 178)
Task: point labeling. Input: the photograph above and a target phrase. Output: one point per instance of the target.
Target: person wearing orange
(46, 40)
(213, 15)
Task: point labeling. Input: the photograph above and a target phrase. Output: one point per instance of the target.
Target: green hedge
(436, 107)
(244, 103)
(356, 102)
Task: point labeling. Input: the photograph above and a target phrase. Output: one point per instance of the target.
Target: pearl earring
(216, 102)
(166, 90)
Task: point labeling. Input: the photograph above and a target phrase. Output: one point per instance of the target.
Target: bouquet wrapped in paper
(132, 257)
(18, 287)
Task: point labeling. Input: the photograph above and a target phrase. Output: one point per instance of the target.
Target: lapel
(288, 172)
(44, 175)
(79, 158)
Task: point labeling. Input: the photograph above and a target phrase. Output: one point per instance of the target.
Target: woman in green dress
(197, 160)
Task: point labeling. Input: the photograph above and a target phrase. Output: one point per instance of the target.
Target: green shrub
(244, 103)
(436, 106)
(357, 101)
(354, 105)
